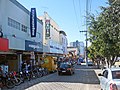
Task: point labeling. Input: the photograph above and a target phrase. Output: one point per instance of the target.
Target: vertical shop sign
(47, 28)
(33, 22)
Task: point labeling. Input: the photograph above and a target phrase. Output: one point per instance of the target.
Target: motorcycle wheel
(10, 84)
(17, 81)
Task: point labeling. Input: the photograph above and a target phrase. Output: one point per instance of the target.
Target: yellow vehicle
(50, 63)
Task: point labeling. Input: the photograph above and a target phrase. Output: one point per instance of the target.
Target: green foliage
(104, 31)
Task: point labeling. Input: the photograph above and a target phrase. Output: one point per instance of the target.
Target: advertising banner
(47, 28)
(33, 22)
(33, 46)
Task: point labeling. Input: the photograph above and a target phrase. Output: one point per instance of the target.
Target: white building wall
(52, 44)
(64, 43)
(82, 50)
(11, 10)
(80, 45)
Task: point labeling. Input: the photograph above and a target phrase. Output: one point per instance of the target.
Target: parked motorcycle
(5, 80)
(26, 74)
(14, 78)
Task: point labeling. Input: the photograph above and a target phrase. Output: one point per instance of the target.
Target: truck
(50, 63)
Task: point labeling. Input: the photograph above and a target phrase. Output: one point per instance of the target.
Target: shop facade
(54, 40)
(16, 43)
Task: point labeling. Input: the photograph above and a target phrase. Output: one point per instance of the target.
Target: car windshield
(116, 74)
(65, 66)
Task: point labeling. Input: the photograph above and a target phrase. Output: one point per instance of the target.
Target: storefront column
(19, 61)
(38, 59)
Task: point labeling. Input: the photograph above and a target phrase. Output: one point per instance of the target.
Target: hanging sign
(33, 22)
(47, 28)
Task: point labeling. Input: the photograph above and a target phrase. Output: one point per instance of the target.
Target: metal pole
(86, 31)
(86, 56)
(86, 51)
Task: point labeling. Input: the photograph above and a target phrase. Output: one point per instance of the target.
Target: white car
(110, 79)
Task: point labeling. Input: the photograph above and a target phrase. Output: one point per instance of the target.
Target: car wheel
(59, 73)
(71, 72)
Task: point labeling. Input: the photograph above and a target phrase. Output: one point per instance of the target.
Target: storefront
(16, 42)
(35, 51)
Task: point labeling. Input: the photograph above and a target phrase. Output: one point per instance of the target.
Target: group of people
(26, 66)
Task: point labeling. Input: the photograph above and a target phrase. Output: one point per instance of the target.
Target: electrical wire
(76, 15)
(90, 4)
(80, 11)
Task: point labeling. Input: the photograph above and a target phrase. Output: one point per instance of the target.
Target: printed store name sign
(33, 22)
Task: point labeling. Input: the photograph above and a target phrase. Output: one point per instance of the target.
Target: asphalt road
(83, 79)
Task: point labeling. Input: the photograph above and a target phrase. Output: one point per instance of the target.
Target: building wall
(64, 43)
(52, 43)
(13, 12)
(71, 49)
(79, 45)
(82, 48)
(15, 24)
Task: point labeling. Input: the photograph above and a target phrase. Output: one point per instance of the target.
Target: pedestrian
(23, 65)
(59, 62)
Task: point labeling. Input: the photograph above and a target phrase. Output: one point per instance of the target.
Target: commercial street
(83, 79)
(36, 37)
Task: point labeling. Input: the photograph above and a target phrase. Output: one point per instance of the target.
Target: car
(66, 68)
(117, 64)
(110, 79)
(79, 61)
(90, 63)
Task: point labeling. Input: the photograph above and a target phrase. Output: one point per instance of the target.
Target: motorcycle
(14, 78)
(5, 80)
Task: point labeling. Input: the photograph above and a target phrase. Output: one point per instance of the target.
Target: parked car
(117, 64)
(79, 61)
(110, 79)
(66, 68)
(90, 63)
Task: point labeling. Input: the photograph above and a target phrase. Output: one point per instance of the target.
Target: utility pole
(86, 55)
(86, 32)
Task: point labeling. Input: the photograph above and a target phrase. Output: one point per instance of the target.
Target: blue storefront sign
(33, 22)
(33, 46)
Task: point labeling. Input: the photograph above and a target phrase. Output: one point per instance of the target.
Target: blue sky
(68, 14)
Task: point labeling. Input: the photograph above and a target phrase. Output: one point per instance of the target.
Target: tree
(104, 31)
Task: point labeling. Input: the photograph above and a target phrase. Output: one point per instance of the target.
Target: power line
(80, 10)
(90, 4)
(76, 15)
